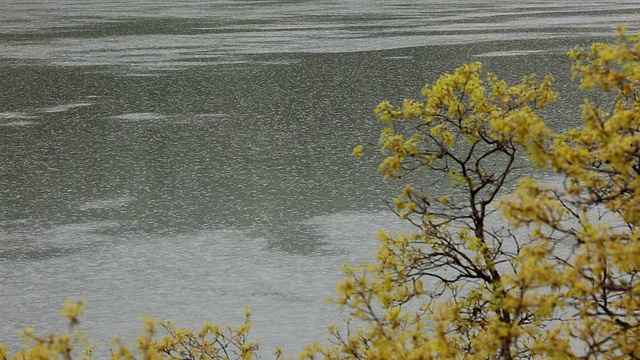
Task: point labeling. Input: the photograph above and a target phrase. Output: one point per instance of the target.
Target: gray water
(187, 158)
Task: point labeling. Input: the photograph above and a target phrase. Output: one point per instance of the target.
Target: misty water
(188, 158)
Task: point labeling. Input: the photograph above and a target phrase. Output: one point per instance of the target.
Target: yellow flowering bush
(466, 285)
(211, 342)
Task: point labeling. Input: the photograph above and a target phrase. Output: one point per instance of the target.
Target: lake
(187, 158)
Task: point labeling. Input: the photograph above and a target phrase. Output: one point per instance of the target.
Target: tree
(460, 288)
(463, 284)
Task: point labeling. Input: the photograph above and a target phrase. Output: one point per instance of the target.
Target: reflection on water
(188, 158)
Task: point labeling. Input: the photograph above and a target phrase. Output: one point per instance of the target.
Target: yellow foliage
(212, 342)
(506, 293)
(357, 151)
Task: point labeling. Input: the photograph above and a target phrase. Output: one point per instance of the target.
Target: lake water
(187, 158)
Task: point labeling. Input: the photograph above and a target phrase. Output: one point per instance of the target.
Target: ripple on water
(146, 116)
(174, 37)
(65, 107)
(510, 53)
(16, 115)
(18, 123)
(16, 119)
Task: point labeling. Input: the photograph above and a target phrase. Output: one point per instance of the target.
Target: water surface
(188, 158)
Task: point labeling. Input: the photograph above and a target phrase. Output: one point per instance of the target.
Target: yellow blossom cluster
(560, 276)
(212, 342)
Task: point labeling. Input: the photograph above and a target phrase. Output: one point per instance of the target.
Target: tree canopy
(481, 277)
